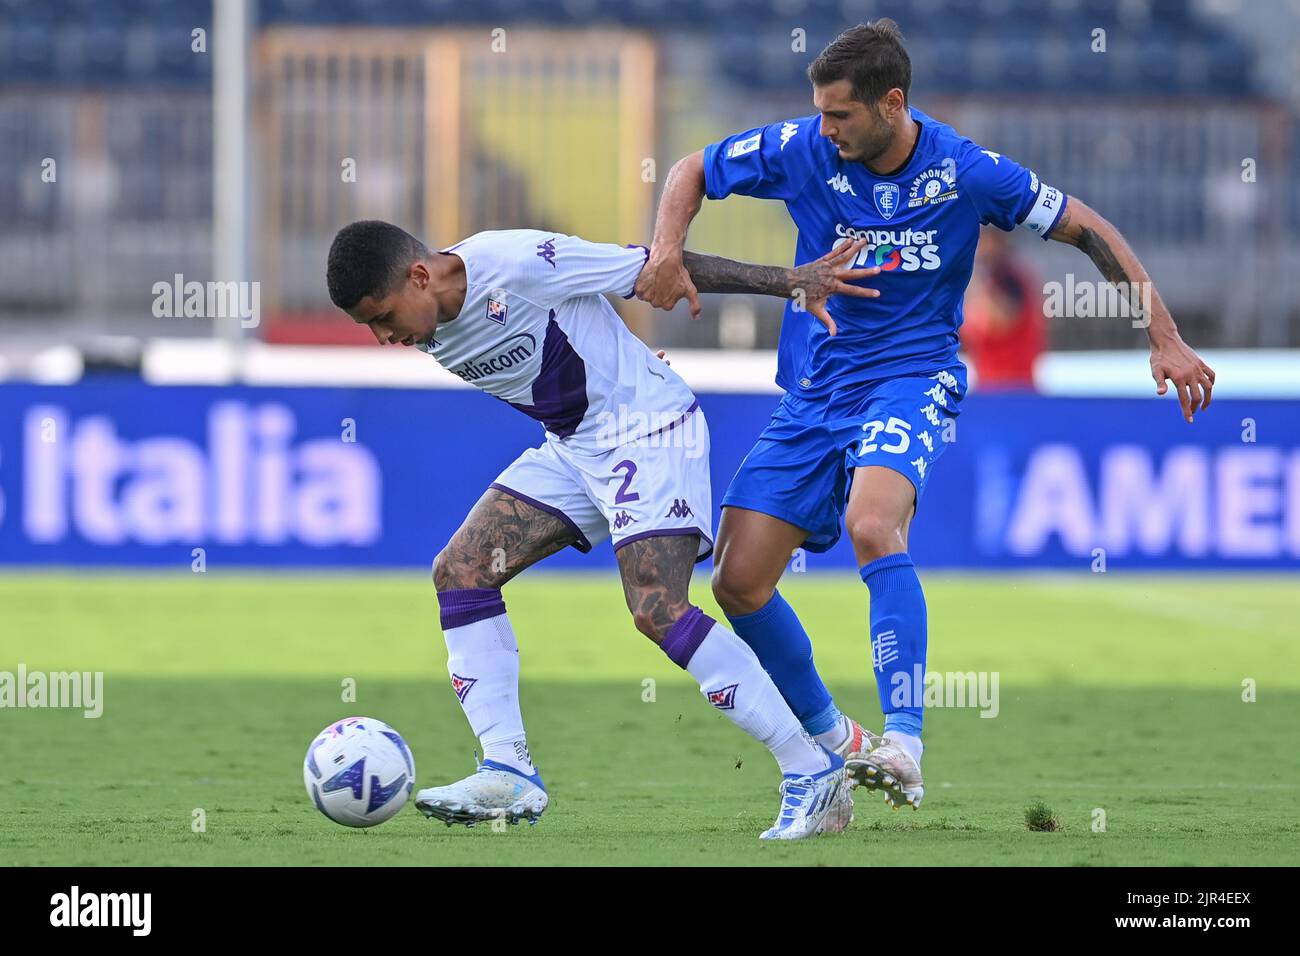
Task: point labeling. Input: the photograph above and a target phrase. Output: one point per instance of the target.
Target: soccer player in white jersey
(521, 314)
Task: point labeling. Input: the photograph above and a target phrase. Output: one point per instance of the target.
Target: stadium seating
(114, 42)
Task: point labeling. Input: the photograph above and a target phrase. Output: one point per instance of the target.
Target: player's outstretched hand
(1174, 359)
(664, 282)
(817, 281)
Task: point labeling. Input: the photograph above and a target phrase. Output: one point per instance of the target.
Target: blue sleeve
(1007, 194)
(769, 162)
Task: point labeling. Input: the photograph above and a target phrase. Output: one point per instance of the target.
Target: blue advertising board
(117, 472)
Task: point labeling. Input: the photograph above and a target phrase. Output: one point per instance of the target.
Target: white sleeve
(565, 267)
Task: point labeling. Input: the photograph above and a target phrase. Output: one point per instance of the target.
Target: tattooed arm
(1171, 357)
(810, 285)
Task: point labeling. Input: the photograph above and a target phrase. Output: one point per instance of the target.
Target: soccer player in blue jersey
(872, 389)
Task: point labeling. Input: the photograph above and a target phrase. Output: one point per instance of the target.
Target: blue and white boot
(494, 792)
(805, 801)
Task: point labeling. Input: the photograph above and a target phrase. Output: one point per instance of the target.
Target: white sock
(483, 661)
(835, 737)
(912, 746)
(735, 683)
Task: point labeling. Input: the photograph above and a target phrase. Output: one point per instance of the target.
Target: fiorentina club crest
(886, 196)
(725, 698)
(496, 311)
(462, 685)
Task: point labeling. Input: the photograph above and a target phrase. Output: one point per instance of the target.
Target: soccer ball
(359, 771)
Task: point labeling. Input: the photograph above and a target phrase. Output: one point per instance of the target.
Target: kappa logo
(462, 686)
(724, 698)
(622, 520)
(788, 132)
(680, 509)
(840, 183)
(546, 250)
(947, 380)
(496, 310)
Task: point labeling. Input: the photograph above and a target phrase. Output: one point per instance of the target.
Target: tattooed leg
(499, 538)
(656, 581)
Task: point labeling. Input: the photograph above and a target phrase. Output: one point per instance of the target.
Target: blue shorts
(801, 467)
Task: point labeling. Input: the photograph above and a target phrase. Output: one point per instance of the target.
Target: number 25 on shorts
(896, 427)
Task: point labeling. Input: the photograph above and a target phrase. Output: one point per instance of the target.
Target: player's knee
(648, 625)
(874, 534)
(736, 593)
(442, 573)
(451, 573)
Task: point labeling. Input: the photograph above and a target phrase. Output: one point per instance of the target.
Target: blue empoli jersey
(921, 225)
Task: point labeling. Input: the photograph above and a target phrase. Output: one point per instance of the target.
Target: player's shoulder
(801, 138)
(502, 242)
(969, 156)
(497, 256)
(943, 140)
(785, 138)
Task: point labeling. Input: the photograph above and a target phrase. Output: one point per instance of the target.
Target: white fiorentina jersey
(536, 332)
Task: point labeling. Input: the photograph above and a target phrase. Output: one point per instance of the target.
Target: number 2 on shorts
(621, 497)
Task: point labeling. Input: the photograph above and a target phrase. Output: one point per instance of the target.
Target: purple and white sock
(483, 661)
(735, 683)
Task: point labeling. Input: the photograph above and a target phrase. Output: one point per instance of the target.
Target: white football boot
(891, 770)
(805, 801)
(495, 792)
(856, 745)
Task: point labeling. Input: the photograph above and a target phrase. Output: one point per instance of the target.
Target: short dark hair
(870, 56)
(369, 257)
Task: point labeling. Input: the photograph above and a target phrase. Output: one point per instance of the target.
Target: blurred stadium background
(156, 142)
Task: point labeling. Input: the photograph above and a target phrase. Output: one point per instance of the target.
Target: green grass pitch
(1118, 693)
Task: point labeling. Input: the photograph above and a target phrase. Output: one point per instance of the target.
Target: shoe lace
(794, 793)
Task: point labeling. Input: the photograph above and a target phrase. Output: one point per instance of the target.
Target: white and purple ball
(359, 771)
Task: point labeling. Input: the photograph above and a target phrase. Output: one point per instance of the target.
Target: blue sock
(898, 640)
(776, 637)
